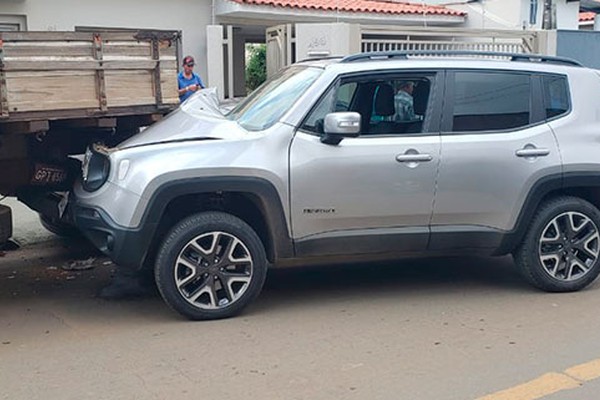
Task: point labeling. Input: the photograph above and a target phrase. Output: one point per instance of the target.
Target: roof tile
(362, 6)
(586, 16)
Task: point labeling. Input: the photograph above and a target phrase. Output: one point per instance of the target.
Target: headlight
(94, 169)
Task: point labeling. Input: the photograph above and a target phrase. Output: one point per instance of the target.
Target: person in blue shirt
(189, 82)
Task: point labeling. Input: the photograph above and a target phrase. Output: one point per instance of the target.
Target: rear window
(556, 96)
(491, 101)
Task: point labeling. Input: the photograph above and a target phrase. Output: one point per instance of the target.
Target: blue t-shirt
(184, 82)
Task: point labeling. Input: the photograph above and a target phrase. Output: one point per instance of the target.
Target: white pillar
(324, 40)
(214, 59)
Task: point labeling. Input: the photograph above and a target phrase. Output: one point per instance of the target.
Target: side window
(315, 120)
(344, 97)
(556, 95)
(490, 101)
(388, 106)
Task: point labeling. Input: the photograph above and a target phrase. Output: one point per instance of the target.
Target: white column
(214, 58)
(324, 40)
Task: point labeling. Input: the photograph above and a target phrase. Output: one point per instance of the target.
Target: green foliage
(256, 66)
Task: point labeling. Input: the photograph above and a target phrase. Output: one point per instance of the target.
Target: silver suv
(373, 156)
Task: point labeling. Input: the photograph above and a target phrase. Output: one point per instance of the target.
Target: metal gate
(279, 48)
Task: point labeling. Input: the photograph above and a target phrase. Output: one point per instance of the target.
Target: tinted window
(486, 101)
(556, 96)
(386, 106)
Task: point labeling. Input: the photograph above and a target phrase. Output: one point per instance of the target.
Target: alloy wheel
(213, 270)
(569, 246)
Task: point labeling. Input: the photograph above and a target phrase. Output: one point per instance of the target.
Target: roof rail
(323, 58)
(386, 55)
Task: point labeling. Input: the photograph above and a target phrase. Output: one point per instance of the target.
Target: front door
(373, 193)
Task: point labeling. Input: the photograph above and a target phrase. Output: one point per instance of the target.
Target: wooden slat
(128, 49)
(54, 91)
(129, 88)
(168, 84)
(80, 65)
(4, 108)
(100, 83)
(156, 80)
(57, 115)
(48, 49)
(33, 36)
(168, 49)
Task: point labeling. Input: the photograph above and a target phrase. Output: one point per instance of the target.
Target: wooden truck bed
(61, 91)
(60, 75)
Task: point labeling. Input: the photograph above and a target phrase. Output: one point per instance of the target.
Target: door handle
(414, 157)
(532, 152)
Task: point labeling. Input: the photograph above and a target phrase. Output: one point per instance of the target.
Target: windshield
(271, 100)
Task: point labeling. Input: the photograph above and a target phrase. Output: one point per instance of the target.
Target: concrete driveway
(27, 228)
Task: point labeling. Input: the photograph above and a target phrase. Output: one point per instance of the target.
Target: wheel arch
(578, 184)
(254, 200)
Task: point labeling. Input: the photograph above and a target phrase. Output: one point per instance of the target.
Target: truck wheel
(59, 228)
(560, 251)
(5, 224)
(210, 265)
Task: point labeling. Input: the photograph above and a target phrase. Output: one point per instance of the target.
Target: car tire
(210, 266)
(59, 228)
(560, 250)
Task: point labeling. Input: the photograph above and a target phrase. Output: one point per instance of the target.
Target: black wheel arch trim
(268, 202)
(543, 187)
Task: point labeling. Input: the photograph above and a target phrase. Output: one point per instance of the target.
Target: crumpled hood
(181, 126)
(201, 117)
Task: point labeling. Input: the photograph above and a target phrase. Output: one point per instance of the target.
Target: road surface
(447, 328)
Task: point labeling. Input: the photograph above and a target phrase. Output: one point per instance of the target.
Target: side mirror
(340, 125)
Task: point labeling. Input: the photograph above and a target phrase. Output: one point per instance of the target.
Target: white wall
(567, 15)
(512, 14)
(189, 16)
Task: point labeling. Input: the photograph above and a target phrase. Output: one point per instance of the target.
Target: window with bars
(533, 11)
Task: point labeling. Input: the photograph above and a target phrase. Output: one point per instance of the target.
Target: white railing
(412, 45)
(389, 38)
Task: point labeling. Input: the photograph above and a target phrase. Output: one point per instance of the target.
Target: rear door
(495, 146)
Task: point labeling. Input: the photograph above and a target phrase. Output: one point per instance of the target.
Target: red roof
(362, 6)
(586, 16)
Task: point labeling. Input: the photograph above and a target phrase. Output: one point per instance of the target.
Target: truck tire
(210, 266)
(59, 228)
(561, 249)
(5, 224)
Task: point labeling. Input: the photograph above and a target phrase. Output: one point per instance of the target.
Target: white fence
(406, 45)
(439, 39)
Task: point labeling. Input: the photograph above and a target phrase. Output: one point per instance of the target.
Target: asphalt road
(417, 329)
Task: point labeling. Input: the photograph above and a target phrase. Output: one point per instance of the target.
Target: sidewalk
(27, 228)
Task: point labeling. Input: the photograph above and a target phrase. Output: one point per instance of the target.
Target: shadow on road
(400, 279)
(38, 276)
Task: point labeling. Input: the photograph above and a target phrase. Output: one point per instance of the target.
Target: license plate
(48, 175)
